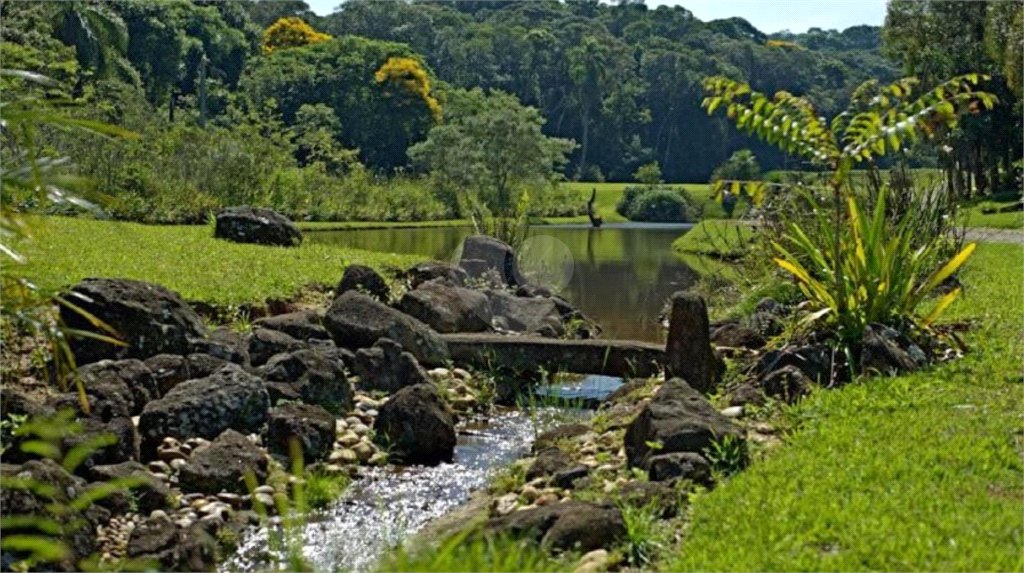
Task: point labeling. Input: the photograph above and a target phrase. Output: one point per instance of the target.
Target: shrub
(649, 174)
(741, 166)
(661, 206)
(629, 195)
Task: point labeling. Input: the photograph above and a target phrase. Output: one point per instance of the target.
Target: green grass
(720, 238)
(473, 553)
(975, 217)
(608, 195)
(186, 259)
(322, 489)
(918, 472)
(343, 225)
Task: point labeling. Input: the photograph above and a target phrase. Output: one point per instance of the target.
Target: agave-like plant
(854, 270)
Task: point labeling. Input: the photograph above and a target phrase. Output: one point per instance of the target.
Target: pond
(619, 275)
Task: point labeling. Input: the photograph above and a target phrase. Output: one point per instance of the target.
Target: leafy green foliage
(648, 174)
(918, 472)
(654, 204)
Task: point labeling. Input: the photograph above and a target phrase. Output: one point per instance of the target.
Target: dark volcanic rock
(481, 253)
(149, 318)
(312, 426)
(150, 493)
(552, 437)
(418, 425)
(123, 446)
(887, 351)
(815, 361)
(680, 465)
(172, 547)
(117, 388)
(203, 408)
(314, 376)
(549, 462)
(222, 464)
(361, 278)
(737, 336)
(746, 393)
(688, 350)
(678, 418)
(787, 384)
(301, 326)
(526, 314)
(566, 479)
(357, 321)
(447, 308)
(254, 225)
(263, 343)
(573, 525)
(386, 367)
(431, 270)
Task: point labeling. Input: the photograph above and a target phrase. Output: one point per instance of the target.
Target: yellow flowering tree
(290, 33)
(404, 78)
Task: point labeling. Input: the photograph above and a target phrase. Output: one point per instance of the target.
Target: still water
(619, 275)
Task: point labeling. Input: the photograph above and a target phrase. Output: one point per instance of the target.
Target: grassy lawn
(718, 237)
(918, 472)
(608, 195)
(186, 259)
(343, 225)
(975, 218)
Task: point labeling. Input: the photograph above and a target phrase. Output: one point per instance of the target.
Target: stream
(390, 504)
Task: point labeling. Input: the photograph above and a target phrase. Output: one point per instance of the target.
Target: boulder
(222, 464)
(117, 388)
(447, 308)
(735, 335)
(431, 270)
(361, 278)
(572, 525)
(171, 547)
(123, 446)
(357, 321)
(653, 493)
(312, 426)
(680, 465)
(149, 493)
(254, 225)
(302, 326)
(481, 254)
(787, 384)
(688, 352)
(567, 478)
(814, 360)
(526, 314)
(418, 426)
(549, 462)
(677, 419)
(312, 375)
(887, 351)
(168, 370)
(13, 402)
(746, 393)
(262, 343)
(203, 408)
(386, 367)
(149, 318)
(58, 489)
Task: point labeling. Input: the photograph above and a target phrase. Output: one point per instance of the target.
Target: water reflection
(621, 274)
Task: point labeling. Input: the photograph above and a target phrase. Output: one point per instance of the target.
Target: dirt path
(984, 235)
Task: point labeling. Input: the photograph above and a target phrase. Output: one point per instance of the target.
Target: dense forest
(247, 101)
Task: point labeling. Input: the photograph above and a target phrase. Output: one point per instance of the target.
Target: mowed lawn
(187, 259)
(608, 195)
(922, 472)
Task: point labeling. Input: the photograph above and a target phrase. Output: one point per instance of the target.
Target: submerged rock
(255, 225)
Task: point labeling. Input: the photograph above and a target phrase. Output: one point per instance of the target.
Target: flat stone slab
(624, 358)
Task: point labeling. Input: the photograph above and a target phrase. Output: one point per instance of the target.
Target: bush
(629, 195)
(741, 166)
(658, 205)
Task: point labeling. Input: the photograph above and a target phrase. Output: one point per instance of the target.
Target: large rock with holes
(526, 314)
(574, 525)
(481, 254)
(255, 225)
(418, 425)
(387, 368)
(448, 308)
(149, 492)
(361, 278)
(302, 325)
(263, 343)
(119, 439)
(887, 351)
(357, 321)
(116, 388)
(222, 465)
(172, 547)
(688, 352)
(677, 419)
(311, 427)
(203, 408)
(313, 375)
(432, 270)
(149, 318)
